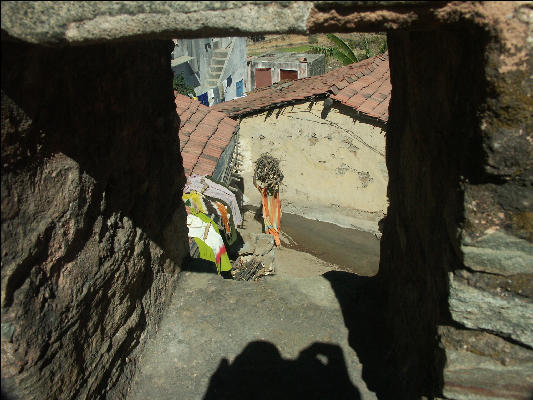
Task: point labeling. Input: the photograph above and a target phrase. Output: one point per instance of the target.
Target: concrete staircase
(217, 65)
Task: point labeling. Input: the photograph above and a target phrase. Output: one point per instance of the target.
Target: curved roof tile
(364, 86)
(204, 134)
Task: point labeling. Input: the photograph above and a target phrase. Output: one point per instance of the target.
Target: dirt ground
(312, 248)
(289, 262)
(278, 338)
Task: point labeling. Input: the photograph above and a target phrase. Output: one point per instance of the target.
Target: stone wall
(456, 254)
(83, 131)
(93, 231)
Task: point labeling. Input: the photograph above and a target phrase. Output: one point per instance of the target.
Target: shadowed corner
(3, 394)
(260, 372)
(362, 309)
(192, 264)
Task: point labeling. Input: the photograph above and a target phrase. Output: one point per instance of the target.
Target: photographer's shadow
(260, 372)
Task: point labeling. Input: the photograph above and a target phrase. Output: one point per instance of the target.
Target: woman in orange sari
(271, 211)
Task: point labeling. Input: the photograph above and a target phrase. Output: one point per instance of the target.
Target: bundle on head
(267, 171)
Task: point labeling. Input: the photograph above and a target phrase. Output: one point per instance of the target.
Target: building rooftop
(206, 131)
(204, 134)
(287, 57)
(369, 95)
(368, 80)
(180, 60)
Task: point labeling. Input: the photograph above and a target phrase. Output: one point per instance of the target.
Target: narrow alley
(281, 337)
(149, 252)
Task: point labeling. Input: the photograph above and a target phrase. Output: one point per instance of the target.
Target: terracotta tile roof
(204, 134)
(370, 95)
(368, 76)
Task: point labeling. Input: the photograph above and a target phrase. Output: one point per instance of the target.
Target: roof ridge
(369, 95)
(324, 84)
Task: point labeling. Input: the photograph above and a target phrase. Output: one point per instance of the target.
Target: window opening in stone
(327, 132)
(95, 235)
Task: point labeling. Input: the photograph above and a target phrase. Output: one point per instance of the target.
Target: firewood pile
(250, 268)
(268, 172)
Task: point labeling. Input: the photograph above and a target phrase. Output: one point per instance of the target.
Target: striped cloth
(215, 209)
(208, 187)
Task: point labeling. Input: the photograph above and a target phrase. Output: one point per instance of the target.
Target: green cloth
(206, 252)
(224, 264)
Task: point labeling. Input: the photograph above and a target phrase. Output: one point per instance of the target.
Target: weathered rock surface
(96, 22)
(82, 22)
(419, 243)
(92, 230)
(258, 247)
(497, 311)
(80, 128)
(484, 366)
(460, 190)
(258, 244)
(275, 338)
(499, 253)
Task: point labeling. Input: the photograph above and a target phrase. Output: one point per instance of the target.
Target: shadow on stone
(4, 395)
(199, 265)
(362, 309)
(233, 249)
(260, 372)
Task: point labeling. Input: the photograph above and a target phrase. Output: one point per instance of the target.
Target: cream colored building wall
(334, 167)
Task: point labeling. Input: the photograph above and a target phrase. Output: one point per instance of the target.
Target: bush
(181, 87)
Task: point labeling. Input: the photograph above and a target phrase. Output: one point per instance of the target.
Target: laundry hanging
(205, 252)
(204, 99)
(210, 188)
(225, 219)
(215, 209)
(194, 200)
(202, 227)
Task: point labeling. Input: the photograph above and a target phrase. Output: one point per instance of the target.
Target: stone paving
(281, 337)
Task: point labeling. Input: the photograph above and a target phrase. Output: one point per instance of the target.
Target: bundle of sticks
(247, 271)
(267, 171)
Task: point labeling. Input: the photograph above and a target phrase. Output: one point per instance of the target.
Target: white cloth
(206, 232)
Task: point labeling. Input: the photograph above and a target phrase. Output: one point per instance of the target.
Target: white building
(214, 67)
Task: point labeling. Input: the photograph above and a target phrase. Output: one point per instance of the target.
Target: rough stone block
(484, 366)
(92, 229)
(269, 260)
(90, 22)
(499, 253)
(505, 314)
(258, 244)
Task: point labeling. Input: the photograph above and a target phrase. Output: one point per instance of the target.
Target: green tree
(344, 53)
(181, 87)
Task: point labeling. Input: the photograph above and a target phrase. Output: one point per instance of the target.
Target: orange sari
(271, 213)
